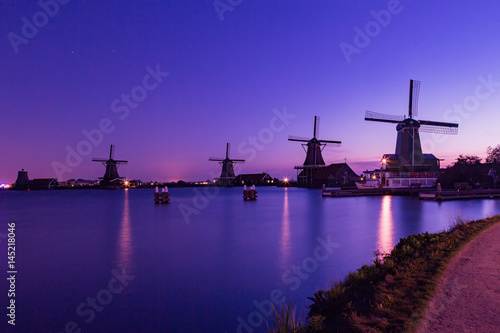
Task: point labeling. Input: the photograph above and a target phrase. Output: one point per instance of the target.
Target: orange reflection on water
(385, 241)
(125, 237)
(285, 232)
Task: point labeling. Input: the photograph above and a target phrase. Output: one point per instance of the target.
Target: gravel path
(467, 298)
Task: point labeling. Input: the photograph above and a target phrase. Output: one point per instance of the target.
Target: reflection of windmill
(111, 177)
(409, 154)
(314, 160)
(227, 175)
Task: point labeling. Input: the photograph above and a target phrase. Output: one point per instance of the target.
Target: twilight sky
(170, 82)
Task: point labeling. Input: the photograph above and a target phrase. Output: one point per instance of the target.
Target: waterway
(113, 261)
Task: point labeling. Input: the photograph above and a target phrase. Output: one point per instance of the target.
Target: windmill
(409, 154)
(314, 160)
(111, 174)
(227, 175)
(314, 147)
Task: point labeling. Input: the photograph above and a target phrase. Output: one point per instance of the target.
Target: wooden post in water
(250, 194)
(323, 193)
(157, 195)
(438, 191)
(163, 197)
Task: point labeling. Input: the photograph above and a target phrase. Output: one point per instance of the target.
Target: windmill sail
(382, 117)
(414, 94)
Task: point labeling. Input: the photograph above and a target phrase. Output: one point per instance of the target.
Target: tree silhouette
(468, 160)
(493, 154)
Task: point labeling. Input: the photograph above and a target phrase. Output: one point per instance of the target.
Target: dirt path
(467, 298)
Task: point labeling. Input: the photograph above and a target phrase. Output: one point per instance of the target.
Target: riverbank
(392, 293)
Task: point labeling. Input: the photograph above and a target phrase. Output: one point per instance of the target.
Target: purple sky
(228, 78)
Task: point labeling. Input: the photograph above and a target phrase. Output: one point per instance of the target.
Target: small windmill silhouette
(111, 173)
(227, 175)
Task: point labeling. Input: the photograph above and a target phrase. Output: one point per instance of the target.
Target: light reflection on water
(385, 241)
(125, 236)
(285, 233)
(489, 207)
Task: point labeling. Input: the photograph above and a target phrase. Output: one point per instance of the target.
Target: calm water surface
(198, 264)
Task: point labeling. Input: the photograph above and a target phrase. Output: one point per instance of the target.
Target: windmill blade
(228, 146)
(111, 152)
(239, 161)
(414, 93)
(216, 159)
(316, 126)
(386, 118)
(298, 138)
(430, 126)
(99, 160)
(438, 129)
(330, 141)
(437, 123)
(121, 161)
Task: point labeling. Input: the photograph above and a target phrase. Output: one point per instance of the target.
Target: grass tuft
(285, 320)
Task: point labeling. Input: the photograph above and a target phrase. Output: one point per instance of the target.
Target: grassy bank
(390, 294)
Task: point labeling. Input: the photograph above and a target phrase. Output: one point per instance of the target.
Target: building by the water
(337, 174)
(260, 179)
(24, 183)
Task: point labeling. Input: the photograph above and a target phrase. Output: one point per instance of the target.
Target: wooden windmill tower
(22, 181)
(314, 159)
(408, 155)
(111, 178)
(227, 175)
